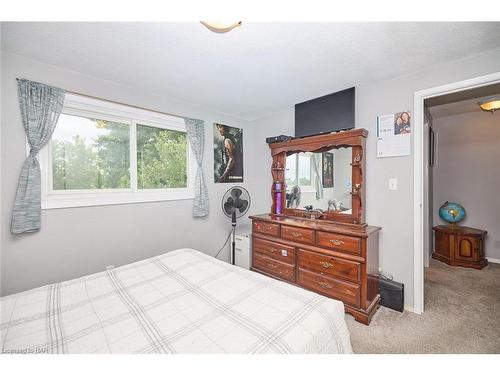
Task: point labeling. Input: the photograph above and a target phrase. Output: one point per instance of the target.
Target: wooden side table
(460, 246)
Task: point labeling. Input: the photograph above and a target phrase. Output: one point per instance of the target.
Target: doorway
(422, 195)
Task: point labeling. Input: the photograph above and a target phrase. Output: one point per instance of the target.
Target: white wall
(392, 210)
(279, 123)
(78, 241)
(467, 171)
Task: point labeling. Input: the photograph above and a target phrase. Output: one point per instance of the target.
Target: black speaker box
(392, 294)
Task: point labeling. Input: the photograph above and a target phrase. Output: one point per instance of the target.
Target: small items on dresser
(460, 246)
(278, 197)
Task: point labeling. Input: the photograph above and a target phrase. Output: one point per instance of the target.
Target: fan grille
(236, 199)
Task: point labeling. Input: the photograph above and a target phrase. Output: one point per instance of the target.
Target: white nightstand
(243, 253)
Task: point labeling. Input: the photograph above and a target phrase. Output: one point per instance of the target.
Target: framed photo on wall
(327, 170)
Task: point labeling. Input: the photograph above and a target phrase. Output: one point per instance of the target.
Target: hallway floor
(462, 314)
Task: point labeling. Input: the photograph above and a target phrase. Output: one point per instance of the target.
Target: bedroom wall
(392, 210)
(466, 171)
(78, 241)
(74, 242)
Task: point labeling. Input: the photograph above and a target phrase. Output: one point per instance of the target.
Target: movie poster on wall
(228, 154)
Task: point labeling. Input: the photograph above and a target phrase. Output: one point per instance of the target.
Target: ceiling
(460, 102)
(255, 70)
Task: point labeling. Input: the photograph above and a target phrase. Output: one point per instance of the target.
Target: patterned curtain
(317, 169)
(40, 107)
(196, 134)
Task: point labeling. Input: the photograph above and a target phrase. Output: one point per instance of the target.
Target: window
(105, 153)
(88, 153)
(298, 170)
(161, 158)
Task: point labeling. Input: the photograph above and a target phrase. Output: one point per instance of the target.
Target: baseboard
(493, 260)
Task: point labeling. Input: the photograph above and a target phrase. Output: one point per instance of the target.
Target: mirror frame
(356, 139)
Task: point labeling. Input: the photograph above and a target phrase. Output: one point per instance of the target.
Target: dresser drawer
(273, 267)
(341, 290)
(339, 242)
(295, 234)
(329, 265)
(266, 228)
(274, 250)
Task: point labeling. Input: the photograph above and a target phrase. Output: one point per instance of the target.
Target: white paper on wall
(394, 134)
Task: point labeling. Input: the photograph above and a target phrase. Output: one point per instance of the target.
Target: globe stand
(454, 214)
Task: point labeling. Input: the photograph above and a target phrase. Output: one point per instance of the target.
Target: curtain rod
(115, 102)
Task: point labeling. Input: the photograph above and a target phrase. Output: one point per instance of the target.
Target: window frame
(83, 106)
(305, 188)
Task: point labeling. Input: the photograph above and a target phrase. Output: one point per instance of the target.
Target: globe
(451, 212)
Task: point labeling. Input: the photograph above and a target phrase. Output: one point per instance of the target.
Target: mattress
(183, 301)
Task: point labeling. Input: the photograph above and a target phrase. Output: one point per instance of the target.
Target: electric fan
(235, 204)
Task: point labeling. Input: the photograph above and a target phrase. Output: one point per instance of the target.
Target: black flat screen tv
(325, 114)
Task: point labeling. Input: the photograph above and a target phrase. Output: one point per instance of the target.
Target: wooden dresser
(333, 259)
(329, 251)
(460, 246)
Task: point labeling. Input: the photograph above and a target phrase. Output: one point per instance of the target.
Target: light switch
(393, 184)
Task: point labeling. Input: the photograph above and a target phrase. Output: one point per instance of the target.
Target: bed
(183, 301)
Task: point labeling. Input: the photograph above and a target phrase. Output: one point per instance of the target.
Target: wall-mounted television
(326, 114)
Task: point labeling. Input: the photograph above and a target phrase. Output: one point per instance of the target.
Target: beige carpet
(462, 315)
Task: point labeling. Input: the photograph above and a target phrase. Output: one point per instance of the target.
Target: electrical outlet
(393, 184)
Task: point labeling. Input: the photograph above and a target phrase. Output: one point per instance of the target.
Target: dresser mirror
(320, 177)
(319, 181)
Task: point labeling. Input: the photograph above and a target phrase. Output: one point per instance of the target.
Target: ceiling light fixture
(490, 104)
(220, 27)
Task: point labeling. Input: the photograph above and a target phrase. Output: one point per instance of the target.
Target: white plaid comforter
(180, 302)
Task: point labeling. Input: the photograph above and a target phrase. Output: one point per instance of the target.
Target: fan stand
(233, 247)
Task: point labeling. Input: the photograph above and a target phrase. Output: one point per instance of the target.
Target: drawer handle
(326, 264)
(324, 285)
(272, 250)
(296, 235)
(272, 266)
(268, 228)
(337, 242)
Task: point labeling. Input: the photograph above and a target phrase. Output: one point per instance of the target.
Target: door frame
(420, 213)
